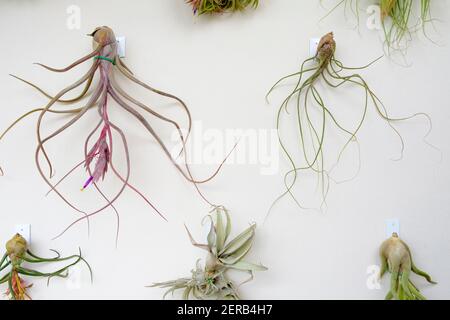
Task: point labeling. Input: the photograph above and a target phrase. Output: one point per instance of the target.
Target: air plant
(98, 155)
(219, 6)
(312, 127)
(17, 254)
(397, 260)
(211, 281)
(398, 19)
(397, 27)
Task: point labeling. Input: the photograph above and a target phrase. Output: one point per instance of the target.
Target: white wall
(223, 67)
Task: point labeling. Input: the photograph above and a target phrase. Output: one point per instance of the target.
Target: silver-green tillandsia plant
(210, 281)
(396, 258)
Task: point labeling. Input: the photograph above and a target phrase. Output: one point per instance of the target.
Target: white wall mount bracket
(313, 44)
(392, 226)
(121, 46)
(24, 230)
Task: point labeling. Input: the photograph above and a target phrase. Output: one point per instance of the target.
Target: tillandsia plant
(98, 154)
(211, 281)
(400, 19)
(396, 18)
(397, 260)
(17, 254)
(313, 114)
(219, 6)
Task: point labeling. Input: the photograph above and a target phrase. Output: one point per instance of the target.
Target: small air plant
(219, 6)
(313, 114)
(396, 18)
(396, 258)
(18, 253)
(210, 281)
(400, 19)
(98, 155)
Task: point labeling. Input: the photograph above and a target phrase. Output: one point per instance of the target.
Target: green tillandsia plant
(219, 6)
(210, 281)
(397, 29)
(313, 115)
(18, 253)
(396, 258)
(400, 19)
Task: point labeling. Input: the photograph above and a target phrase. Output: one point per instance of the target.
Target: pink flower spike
(101, 152)
(88, 182)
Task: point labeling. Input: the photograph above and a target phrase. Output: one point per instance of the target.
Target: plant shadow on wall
(211, 280)
(17, 254)
(313, 115)
(399, 20)
(98, 152)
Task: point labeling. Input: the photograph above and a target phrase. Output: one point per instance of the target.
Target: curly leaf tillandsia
(313, 113)
(219, 6)
(211, 281)
(396, 258)
(98, 155)
(17, 254)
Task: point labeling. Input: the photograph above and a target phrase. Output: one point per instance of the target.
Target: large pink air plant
(98, 159)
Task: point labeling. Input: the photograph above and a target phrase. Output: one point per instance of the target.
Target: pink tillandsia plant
(106, 62)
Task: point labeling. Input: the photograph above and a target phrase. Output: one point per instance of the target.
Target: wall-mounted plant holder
(121, 46)
(24, 230)
(313, 44)
(392, 226)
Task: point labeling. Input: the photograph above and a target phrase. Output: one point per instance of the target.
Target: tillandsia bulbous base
(17, 254)
(313, 115)
(220, 6)
(397, 260)
(400, 19)
(98, 146)
(211, 281)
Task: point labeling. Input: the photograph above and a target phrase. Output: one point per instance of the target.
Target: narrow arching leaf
(212, 237)
(238, 254)
(239, 241)
(247, 266)
(221, 231)
(194, 243)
